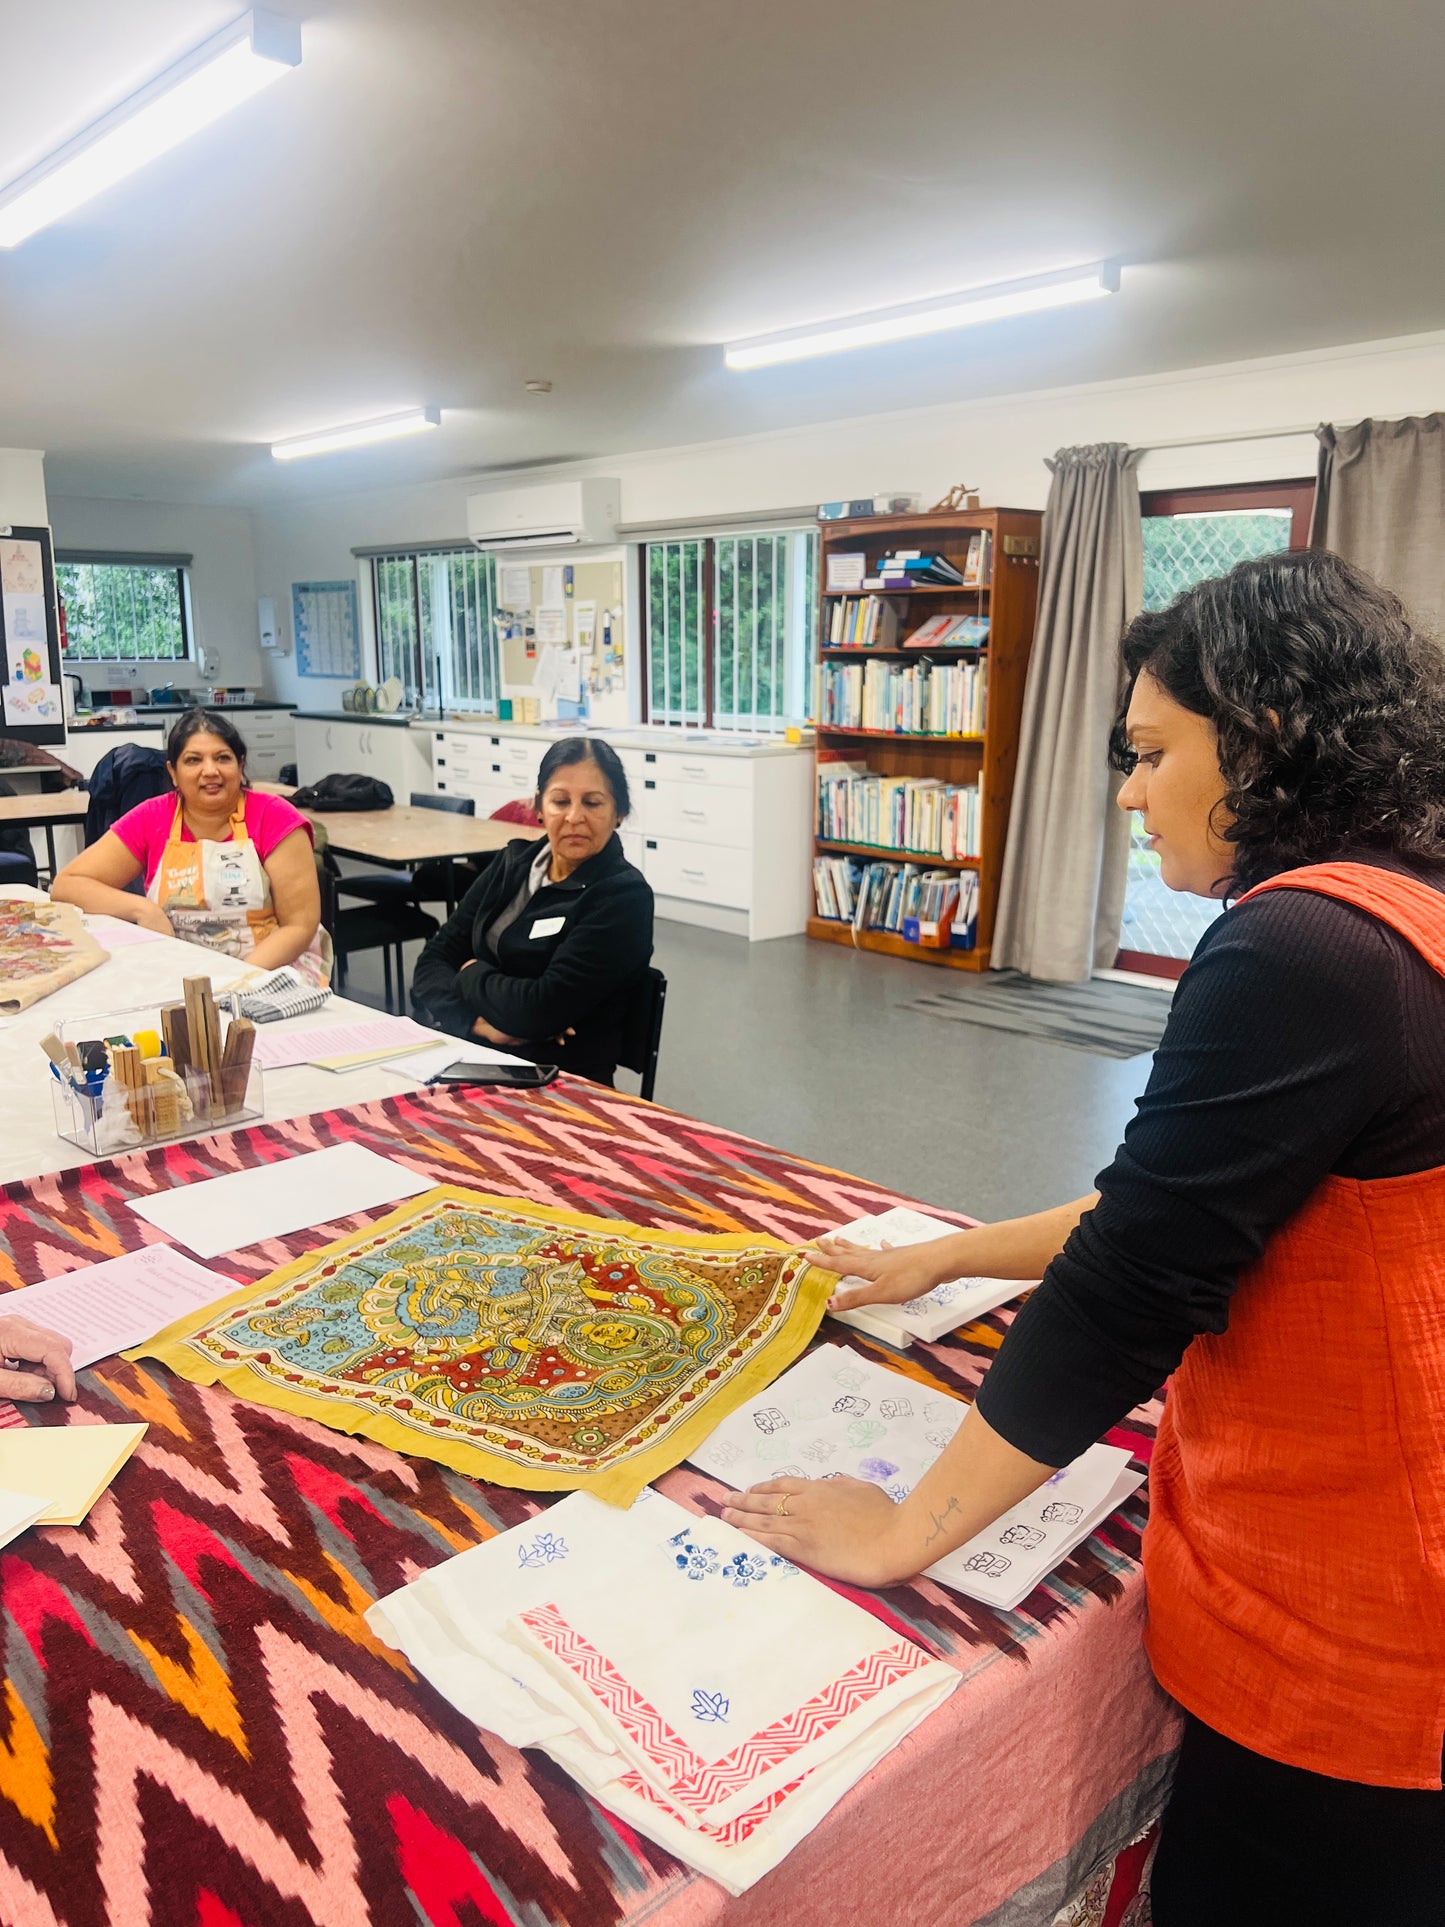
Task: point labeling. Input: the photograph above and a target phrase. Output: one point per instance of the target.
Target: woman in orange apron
(1272, 1234)
(226, 867)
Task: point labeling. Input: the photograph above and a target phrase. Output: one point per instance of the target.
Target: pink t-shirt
(146, 829)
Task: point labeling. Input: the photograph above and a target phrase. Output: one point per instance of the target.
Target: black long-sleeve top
(1305, 1038)
(566, 962)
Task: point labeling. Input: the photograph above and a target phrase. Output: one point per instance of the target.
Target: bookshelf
(1008, 598)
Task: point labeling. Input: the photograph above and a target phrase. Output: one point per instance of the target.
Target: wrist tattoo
(940, 1520)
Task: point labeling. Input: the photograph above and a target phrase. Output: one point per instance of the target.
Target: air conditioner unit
(562, 515)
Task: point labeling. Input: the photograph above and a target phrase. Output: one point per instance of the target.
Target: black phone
(517, 1076)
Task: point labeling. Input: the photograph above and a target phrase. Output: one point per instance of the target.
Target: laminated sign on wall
(29, 634)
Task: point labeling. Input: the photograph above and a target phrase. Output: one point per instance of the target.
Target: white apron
(219, 895)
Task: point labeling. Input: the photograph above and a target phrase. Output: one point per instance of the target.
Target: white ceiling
(451, 196)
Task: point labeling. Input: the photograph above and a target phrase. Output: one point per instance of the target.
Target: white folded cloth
(709, 1693)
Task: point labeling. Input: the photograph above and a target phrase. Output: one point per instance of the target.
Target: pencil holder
(131, 1092)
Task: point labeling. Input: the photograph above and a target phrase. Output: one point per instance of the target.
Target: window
(730, 623)
(435, 627)
(1190, 535)
(124, 609)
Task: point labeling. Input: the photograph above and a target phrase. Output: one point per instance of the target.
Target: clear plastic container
(102, 1116)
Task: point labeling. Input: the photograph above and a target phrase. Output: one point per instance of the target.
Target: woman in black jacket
(545, 946)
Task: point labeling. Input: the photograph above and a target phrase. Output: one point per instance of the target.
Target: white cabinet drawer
(698, 871)
(631, 841)
(696, 813)
(718, 772)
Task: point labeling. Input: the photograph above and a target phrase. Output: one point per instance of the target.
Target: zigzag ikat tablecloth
(197, 1729)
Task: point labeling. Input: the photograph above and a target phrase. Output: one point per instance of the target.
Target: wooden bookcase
(1009, 601)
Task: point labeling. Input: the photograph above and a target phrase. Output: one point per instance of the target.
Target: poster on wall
(327, 633)
(30, 700)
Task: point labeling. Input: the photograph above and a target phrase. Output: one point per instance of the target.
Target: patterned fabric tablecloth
(198, 1729)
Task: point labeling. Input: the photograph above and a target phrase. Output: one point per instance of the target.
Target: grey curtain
(1061, 898)
(1380, 502)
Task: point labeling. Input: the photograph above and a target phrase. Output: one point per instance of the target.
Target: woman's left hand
(845, 1528)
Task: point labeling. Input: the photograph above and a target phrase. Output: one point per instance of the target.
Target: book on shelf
(914, 567)
(978, 563)
(896, 898)
(863, 622)
(949, 632)
(920, 815)
(904, 699)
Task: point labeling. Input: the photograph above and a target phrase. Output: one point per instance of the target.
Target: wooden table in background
(44, 812)
(402, 837)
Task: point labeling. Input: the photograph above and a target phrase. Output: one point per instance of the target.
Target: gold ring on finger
(782, 1507)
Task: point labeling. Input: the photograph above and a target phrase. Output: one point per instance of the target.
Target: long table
(43, 812)
(198, 1727)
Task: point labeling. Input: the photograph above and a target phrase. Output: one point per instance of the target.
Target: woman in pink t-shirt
(223, 865)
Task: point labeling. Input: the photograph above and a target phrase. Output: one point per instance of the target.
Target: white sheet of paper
(514, 586)
(423, 1064)
(569, 678)
(244, 1207)
(584, 625)
(941, 1310)
(551, 623)
(104, 1308)
(274, 1053)
(117, 935)
(18, 1510)
(553, 590)
(548, 671)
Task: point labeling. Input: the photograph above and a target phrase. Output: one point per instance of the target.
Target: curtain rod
(1237, 435)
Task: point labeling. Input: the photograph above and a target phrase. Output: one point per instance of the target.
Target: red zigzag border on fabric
(701, 1784)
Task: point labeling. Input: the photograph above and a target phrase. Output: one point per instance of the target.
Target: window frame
(489, 650)
(179, 566)
(1298, 496)
(794, 674)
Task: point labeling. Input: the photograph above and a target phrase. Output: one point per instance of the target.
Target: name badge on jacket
(546, 927)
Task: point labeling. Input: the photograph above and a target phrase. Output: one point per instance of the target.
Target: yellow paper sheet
(69, 1465)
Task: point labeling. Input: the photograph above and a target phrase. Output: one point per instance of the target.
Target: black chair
(17, 859)
(642, 1027)
(384, 928)
(435, 881)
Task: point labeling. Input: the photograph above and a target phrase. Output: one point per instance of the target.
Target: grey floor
(805, 1045)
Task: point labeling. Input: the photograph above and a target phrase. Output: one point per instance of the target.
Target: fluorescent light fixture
(220, 74)
(1057, 290)
(386, 428)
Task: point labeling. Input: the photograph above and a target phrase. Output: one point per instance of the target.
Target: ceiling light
(386, 428)
(1058, 290)
(220, 74)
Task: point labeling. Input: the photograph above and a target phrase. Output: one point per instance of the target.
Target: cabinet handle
(698, 876)
(694, 769)
(648, 783)
(695, 816)
(328, 735)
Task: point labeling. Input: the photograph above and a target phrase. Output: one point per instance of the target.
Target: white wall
(223, 573)
(22, 488)
(998, 445)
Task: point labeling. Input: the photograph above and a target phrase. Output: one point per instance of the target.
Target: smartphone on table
(526, 1077)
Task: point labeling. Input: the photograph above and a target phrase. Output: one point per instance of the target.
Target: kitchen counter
(640, 736)
(155, 715)
(364, 718)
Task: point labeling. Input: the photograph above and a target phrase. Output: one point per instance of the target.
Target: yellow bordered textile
(529, 1347)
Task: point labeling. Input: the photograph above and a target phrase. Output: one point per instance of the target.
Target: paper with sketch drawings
(835, 1414)
(941, 1310)
(104, 1308)
(245, 1207)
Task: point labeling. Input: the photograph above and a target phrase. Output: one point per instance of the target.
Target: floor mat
(1109, 1019)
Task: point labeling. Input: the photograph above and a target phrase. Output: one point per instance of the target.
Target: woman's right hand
(150, 916)
(891, 1276)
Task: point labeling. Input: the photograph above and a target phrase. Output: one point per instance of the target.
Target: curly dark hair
(1328, 706)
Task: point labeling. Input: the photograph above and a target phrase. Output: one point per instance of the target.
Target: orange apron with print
(219, 895)
(1295, 1553)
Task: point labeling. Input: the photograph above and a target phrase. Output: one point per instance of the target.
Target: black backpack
(344, 793)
